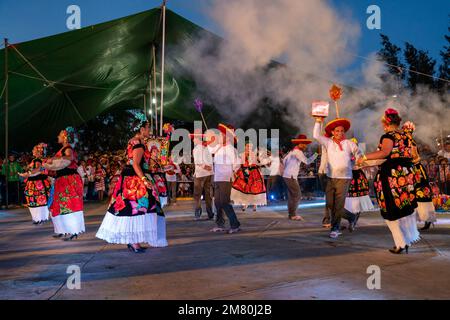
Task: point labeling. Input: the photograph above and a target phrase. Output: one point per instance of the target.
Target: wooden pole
(337, 109)
(6, 122)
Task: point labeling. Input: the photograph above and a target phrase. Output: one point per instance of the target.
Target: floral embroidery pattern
(359, 186)
(36, 192)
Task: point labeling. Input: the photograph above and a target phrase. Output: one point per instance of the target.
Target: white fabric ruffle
(145, 228)
(426, 212)
(243, 199)
(40, 214)
(72, 223)
(404, 230)
(359, 204)
(163, 201)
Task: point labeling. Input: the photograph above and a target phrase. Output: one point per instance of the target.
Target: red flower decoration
(119, 204)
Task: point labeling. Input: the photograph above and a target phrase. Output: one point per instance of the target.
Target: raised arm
(317, 133)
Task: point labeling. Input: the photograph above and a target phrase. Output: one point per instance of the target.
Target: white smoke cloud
(314, 41)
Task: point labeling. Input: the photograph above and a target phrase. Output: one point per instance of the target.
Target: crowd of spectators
(101, 170)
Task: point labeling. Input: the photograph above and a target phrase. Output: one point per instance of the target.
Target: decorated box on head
(320, 109)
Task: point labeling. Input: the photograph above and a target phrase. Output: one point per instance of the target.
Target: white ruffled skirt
(147, 228)
(72, 223)
(40, 214)
(359, 204)
(426, 212)
(404, 230)
(243, 199)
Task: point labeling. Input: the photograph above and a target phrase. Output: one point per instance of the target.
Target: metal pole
(162, 66)
(145, 105)
(150, 97)
(6, 122)
(156, 90)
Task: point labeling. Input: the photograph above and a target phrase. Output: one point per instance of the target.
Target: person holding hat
(291, 164)
(340, 155)
(203, 174)
(226, 162)
(395, 181)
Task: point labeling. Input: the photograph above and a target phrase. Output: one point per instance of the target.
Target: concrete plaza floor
(272, 258)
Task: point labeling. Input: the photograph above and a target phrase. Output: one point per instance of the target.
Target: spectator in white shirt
(274, 170)
(172, 170)
(291, 164)
(83, 173)
(446, 151)
(340, 152)
(203, 175)
(226, 162)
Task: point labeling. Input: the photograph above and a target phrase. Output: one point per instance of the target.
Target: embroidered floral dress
(155, 173)
(396, 178)
(249, 179)
(68, 190)
(131, 197)
(37, 188)
(359, 186)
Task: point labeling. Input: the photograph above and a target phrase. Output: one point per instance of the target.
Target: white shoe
(335, 234)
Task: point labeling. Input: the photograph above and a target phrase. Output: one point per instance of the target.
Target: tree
(444, 68)
(389, 53)
(421, 67)
(107, 132)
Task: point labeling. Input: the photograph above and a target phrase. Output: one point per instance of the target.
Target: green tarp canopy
(91, 71)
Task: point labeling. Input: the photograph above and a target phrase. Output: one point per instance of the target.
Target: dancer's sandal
(135, 250)
(72, 237)
(297, 218)
(217, 229)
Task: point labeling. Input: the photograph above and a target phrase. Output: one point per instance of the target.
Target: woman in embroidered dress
(37, 186)
(131, 217)
(358, 199)
(67, 203)
(248, 187)
(157, 174)
(394, 183)
(425, 207)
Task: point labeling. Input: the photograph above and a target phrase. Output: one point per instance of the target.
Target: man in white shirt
(340, 152)
(291, 164)
(203, 175)
(322, 172)
(275, 171)
(226, 162)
